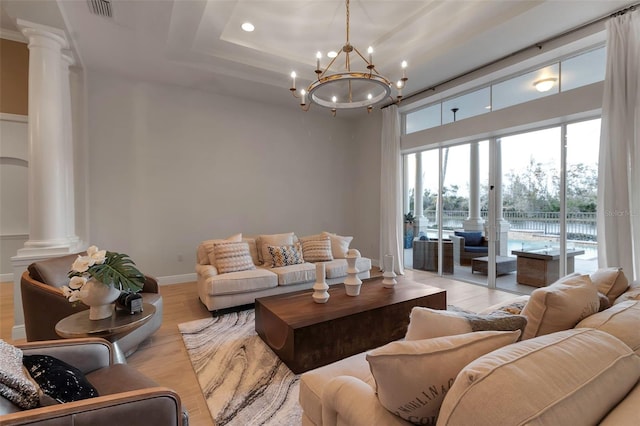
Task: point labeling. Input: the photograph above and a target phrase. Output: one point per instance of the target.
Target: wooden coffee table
(306, 335)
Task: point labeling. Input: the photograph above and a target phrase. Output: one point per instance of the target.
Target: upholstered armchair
(44, 304)
(125, 396)
(467, 245)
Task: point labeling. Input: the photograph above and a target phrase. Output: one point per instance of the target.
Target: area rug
(243, 381)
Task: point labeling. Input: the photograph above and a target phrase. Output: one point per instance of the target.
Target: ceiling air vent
(101, 8)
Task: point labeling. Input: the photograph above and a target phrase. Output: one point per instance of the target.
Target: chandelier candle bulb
(303, 94)
(293, 80)
(347, 87)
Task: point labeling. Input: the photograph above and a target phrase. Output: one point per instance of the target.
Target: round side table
(121, 322)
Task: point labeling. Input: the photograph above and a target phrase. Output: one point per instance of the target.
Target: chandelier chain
(347, 22)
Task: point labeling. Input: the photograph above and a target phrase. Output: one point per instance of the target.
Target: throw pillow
(560, 306)
(14, 382)
(633, 293)
(605, 303)
(572, 377)
(285, 255)
(413, 377)
(264, 241)
(426, 323)
(317, 250)
(473, 238)
(339, 245)
(205, 249)
(610, 281)
(620, 320)
(59, 380)
(233, 257)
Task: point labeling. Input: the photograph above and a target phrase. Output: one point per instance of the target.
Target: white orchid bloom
(97, 255)
(82, 263)
(67, 292)
(76, 283)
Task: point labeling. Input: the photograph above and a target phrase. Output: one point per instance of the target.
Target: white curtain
(619, 174)
(391, 189)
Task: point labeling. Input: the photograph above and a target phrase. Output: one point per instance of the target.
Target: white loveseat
(577, 363)
(258, 278)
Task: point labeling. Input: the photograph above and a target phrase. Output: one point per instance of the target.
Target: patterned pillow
(317, 250)
(426, 323)
(285, 255)
(232, 257)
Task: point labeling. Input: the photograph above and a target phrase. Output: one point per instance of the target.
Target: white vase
(352, 283)
(388, 277)
(99, 298)
(320, 293)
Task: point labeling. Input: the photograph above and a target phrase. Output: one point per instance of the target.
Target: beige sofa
(252, 276)
(577, 363)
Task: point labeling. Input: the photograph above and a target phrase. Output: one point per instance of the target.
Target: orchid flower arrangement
(107, 267)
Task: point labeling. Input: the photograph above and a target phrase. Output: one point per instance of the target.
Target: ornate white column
(420, 223)
(69, 182)
(50, 150)
(47, 151)
(474, 222)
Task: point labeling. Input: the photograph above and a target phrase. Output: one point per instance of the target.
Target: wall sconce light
(545, 84)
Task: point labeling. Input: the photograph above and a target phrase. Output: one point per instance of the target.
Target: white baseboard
(177, 279)
(4, 278)
(18, 332)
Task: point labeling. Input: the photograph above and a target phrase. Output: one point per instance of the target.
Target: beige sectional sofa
(576, 361)
(235, 271)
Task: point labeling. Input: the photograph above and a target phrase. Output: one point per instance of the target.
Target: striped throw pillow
(233, 257)
(317, 250)
(285, 255)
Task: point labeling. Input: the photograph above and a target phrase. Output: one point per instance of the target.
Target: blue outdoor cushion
(476, 249)
(473, 238)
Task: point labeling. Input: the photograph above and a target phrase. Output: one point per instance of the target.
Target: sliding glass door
(514, 212)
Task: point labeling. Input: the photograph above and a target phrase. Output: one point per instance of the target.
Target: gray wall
(169, 167)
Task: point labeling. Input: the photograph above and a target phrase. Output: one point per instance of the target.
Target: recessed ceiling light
(332, 54)
(248, 27)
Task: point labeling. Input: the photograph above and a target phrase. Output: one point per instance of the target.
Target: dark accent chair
(126, 396)
(467, 245)
(44, 304)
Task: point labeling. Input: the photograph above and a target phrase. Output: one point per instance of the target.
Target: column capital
(68, 59)
(43, 35)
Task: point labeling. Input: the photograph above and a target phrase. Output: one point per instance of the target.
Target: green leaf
(120, 271)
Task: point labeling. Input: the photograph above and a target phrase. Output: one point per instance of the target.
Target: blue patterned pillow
(472, 238)
(285, 255)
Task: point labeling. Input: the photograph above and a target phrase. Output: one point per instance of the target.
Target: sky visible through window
(543, 146)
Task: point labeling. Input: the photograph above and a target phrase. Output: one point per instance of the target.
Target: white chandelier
(348, 89)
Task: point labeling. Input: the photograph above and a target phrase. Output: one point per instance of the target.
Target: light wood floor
(164, 358)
